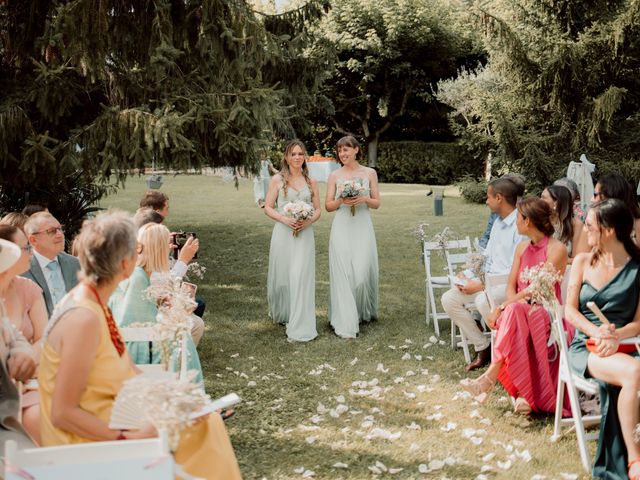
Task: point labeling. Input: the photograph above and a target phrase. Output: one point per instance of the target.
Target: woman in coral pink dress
(522, 359)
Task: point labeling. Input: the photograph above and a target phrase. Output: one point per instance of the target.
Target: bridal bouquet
(175, 305)
(299, 211)
(350, 189)
(542, 281)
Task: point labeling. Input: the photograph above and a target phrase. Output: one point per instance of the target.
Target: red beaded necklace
(114, 333)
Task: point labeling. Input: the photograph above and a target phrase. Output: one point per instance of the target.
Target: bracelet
(121, 435)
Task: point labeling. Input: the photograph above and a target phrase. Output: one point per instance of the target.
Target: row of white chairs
(456, 253)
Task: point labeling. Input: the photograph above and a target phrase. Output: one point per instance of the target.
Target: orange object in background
(318, 158)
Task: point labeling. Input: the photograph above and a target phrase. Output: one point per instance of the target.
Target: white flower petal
(436, 464)
(299, 470)
(393, 471)
(310, 440)
(308, 474)
(568, 476)
(340, 465)
(505, 465)
(422, 468)
(488, 457)
(375, 470)
(433, 339)
(251, 384)
(340, 399)
(354, 361)
(406, 356)
(381, 466)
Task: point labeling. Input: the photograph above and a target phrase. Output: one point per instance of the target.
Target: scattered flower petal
(354, 361)
(340, 465)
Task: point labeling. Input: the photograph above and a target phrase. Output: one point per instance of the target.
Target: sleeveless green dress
(353, 269)
(291, 281)
(617, 300)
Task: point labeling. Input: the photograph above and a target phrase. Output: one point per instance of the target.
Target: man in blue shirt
(502, 195)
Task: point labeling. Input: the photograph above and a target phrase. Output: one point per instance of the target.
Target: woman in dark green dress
(609, 276)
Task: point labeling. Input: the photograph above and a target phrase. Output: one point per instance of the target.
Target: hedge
(431, 163)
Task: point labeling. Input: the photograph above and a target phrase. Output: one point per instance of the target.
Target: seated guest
(614, 185)
(85, 362)
(129, 302)
(16, 361)
(51, 268)
(609, 276)
(518, 180)
(15, 219)
(146, 215)
(25, 308)
(156, 200)
(521, 355)
(502, 195)
(578, 212)
(32, 208)
(568, 229)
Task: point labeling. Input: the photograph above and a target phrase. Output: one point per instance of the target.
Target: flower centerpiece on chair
(175, 305)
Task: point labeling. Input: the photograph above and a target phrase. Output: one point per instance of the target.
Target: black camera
(178, 239)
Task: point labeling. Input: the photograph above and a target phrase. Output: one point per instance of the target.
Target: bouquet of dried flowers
(542, 280)
(350, 189)
(175, 305)
(165, 402)
(299, 211)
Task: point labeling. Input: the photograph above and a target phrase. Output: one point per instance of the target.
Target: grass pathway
(385, 405)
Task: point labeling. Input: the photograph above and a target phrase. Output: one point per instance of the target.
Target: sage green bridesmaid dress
(353, 269)
(291, 281)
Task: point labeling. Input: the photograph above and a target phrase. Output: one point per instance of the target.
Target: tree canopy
(105, 87)
(390, 54)
(561, 80)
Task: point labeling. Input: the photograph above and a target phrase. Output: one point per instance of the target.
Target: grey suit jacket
(69, 265)
(10, 429)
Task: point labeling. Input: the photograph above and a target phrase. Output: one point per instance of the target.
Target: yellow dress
(204, 450)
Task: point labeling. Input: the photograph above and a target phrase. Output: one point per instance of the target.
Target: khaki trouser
(454, 302)
(197, 329)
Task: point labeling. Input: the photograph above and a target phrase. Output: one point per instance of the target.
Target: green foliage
(389, 55)
(421, 162)
(473, 190)
(106, 87)
(561, 80)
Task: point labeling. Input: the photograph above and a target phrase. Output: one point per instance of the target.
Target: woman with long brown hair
(291, 281)
(522, 359)
(353, 256)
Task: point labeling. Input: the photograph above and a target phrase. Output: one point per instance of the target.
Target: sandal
(521, 406)
(631, 464)
(227, 413)
(479, 386)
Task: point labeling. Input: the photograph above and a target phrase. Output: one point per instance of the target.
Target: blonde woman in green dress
(353, 254)
(291, 282)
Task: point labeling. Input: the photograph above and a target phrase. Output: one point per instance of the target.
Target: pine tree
(104, 88)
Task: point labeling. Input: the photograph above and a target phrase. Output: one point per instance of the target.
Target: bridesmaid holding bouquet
(293, 202)
(353, 256)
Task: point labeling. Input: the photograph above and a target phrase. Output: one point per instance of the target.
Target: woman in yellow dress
(84, 361)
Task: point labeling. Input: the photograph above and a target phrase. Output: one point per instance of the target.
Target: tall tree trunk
(372, 150)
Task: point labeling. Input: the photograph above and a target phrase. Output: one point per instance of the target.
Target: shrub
(474, 191)
(431, 163)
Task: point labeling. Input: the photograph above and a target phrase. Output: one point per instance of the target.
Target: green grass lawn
(301, 409)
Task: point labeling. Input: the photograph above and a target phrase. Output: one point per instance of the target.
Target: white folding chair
(147, 459)
(572, 382)
(149, 334)
(438, 281)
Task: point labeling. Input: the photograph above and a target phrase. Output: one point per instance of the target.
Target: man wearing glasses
(51, 268)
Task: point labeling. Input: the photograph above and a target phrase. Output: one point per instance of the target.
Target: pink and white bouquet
(542, 280)
(351, 189)
(299, 211)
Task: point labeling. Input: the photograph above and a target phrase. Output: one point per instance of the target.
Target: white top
(502, 244)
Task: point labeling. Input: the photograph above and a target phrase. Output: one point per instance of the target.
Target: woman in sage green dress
(353, 254)
(291, 281)
(609, 276)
